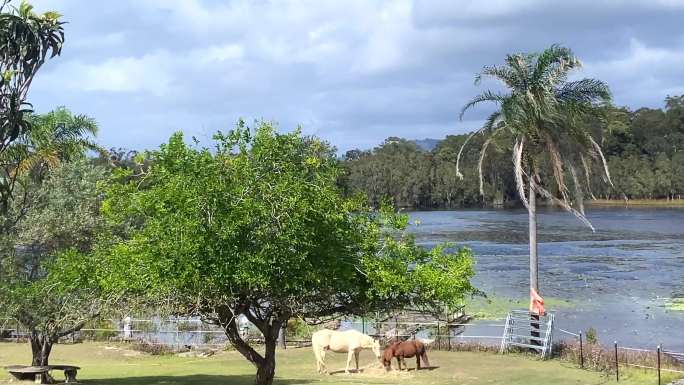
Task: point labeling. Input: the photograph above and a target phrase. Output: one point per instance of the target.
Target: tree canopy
(258, 226)
(49, 230)
(27, 40)
(47, 279)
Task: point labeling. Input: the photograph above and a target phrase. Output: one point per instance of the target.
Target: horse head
(375, 347)
(387, 356)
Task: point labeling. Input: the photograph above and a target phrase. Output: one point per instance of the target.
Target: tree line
(644, 150)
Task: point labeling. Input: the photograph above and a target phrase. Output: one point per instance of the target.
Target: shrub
(152, 348)
(104, 330)
(592, 336)
(298, 329)
(187, 326)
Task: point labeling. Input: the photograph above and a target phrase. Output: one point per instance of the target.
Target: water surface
(619, 278)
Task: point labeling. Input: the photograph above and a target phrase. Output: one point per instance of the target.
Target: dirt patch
(376, 370)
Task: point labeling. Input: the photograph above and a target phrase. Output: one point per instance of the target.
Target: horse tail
(424, 357)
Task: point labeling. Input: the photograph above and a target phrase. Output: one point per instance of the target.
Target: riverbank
(636, 202)
(496, 308)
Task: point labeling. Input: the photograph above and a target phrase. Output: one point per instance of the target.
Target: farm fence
(193, 333)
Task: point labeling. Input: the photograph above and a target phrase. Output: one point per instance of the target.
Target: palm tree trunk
(534, 261)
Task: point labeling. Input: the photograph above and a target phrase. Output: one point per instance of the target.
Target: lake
(618, 279)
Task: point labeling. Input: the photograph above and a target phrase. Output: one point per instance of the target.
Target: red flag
(536, 303)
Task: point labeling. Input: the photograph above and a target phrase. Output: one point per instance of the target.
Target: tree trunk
(266, 367)
(281, 336)
(270, 328)
(41, 346)
(534, 261)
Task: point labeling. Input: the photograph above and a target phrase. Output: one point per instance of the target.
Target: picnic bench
(41, 374)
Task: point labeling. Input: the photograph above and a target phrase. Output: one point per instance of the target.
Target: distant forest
(644, 149)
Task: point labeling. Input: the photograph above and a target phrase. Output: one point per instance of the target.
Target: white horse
(349, 341)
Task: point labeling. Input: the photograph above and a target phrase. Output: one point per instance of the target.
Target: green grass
(103, 365)
(637, 202)
(494, 307)
(675, 304)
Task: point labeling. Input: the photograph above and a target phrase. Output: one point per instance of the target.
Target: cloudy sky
(352, 72)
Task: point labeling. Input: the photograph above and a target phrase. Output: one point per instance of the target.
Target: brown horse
(405, 349)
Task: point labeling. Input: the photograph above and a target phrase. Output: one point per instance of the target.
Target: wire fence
(658, 360)
(193, 333)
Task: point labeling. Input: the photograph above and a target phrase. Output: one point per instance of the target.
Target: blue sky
(351, 72)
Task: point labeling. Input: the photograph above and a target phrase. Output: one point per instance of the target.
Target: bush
(151, 348)
(105, 330)
(187, 326)
(146, 326)
(207, 338)
(298, 329)
(592, 336)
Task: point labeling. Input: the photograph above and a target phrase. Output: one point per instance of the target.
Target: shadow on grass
(353, 371)
(198, 379)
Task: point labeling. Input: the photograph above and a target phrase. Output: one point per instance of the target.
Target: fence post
(439, 343)
(658, 361)
(581, 351)
(363, 325)
(449, 336)
(617, 367)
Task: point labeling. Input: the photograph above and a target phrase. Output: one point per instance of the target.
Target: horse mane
(367, 339)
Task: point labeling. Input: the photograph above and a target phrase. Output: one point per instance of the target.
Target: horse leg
(417, 361)
(316, 357)
(324, 367)
(350, 354)
(356, 356)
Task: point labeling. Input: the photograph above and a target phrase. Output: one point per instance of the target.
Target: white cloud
(646, 70)
(220, 53)
(159, 73)
(99, 41)
(376, 67)
(118, 74)
(640, 60)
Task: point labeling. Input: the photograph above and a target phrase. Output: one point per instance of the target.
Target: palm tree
(58, 136)
(542, 114)
(55, 137)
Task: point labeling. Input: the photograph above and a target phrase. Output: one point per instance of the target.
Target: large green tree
(47, 281)
(49, 229)
(258, 227)
(27, 40)
(543, 114)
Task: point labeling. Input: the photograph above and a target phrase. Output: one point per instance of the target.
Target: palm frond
(552, 66)
(578, 188)
(556, 165)
(587, 173)
(603, 160)
(500, 73)
(519, 173)
(483, 151)
(546, 194)
(487, 96)
(460, 151)
(582, 93)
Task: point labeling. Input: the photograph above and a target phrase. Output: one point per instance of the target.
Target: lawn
(110, 365)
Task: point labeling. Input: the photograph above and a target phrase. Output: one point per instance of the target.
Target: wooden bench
(41, 374)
